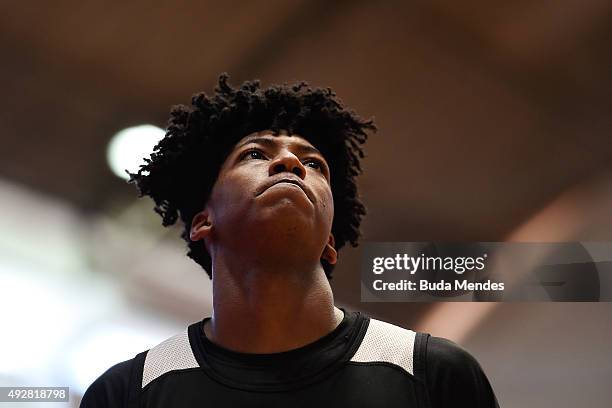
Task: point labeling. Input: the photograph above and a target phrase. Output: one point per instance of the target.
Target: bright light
(31, 310)
(105, 344)
(128, 148)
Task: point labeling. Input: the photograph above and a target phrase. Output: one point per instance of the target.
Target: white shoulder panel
(172, 354)
(387, 343)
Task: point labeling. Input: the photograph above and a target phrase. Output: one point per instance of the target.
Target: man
(264, 183)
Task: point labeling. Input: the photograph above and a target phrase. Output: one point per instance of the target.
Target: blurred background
(494, 125)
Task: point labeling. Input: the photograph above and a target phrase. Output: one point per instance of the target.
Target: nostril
(279, 167)
(297, 171)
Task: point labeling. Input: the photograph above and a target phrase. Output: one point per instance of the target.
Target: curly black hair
(200, 137)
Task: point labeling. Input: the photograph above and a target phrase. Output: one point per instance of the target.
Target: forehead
(267, 137)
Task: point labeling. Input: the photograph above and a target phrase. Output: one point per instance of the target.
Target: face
(273, 189)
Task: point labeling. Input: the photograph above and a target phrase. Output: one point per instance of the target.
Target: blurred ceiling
(486, 112)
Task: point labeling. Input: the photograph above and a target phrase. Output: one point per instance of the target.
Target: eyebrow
(268, 142)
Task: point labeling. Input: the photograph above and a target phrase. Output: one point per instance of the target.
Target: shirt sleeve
(110, 389)
(454, 377)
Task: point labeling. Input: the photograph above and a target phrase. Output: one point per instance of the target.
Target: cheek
(327, 206)
(230, 194)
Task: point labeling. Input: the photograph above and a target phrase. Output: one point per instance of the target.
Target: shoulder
(454, 377)
(125, 380)
(447, 355)
(111, 388)
(172, 354)
(387, 343)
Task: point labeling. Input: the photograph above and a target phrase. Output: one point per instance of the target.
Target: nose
(287, 161)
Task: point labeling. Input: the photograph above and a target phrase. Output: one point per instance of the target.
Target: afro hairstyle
(200, 137)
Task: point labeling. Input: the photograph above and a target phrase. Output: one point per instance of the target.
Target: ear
(329, 253)
(201, 226)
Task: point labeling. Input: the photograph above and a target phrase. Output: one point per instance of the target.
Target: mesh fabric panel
(172, 354)
(385, 342)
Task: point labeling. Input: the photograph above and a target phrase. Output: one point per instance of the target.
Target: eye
(314, 163)
(252, 154)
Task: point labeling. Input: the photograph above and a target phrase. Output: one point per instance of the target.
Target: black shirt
(364, 362)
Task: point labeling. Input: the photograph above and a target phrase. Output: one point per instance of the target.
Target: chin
(286, 221)
(286, 207)
(289, 223)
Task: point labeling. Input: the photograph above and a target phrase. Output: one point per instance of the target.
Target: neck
(270, 308)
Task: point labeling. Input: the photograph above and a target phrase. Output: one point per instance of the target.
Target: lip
(297, 182)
